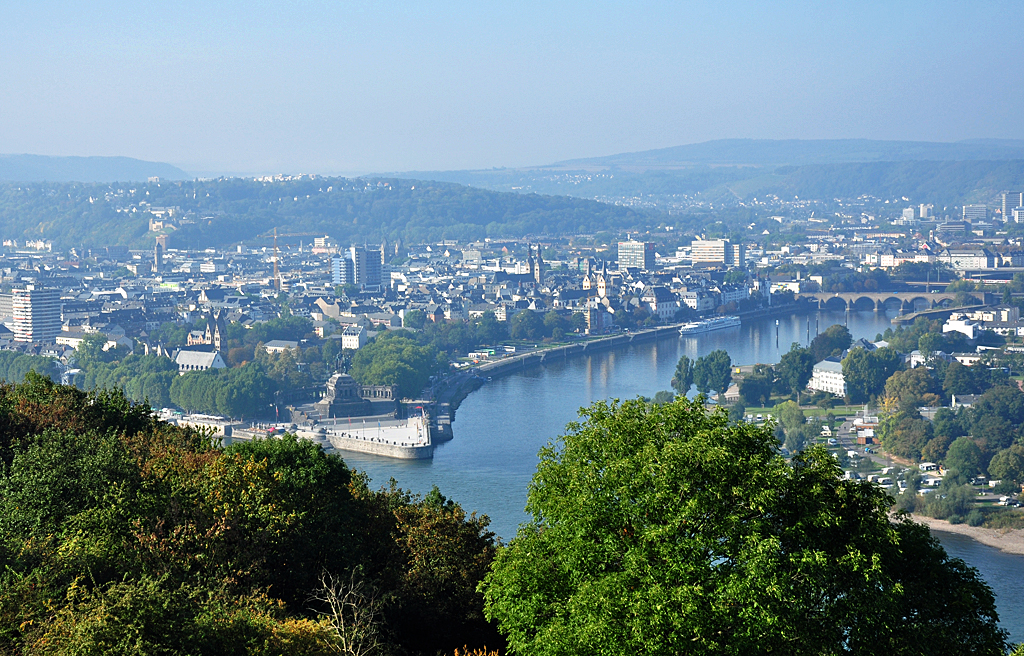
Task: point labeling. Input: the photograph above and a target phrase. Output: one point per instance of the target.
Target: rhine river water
(500, 428)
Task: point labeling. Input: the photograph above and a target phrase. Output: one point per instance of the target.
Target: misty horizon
(362, 88)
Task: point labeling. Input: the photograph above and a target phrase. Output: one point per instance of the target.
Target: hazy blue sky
(375, 86)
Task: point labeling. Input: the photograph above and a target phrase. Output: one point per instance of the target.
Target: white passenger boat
(708, 325)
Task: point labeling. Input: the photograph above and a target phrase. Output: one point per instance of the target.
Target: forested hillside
(939, 182)
(224, 211)
(25, 168)
(123, 535)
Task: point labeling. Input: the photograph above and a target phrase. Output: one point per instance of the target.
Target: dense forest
(123, 535)
(225, 211)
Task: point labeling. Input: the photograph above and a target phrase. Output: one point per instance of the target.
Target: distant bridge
(880, 301)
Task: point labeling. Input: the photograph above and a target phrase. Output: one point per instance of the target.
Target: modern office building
(367, 266)
(974, 213)
(716, 251)
(1011, 201)
(341, 270)
(639, 254)
(36, 314)
(909, 214)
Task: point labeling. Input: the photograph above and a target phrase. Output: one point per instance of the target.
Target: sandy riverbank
(1008, 540)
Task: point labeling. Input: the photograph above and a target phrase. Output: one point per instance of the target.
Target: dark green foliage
(14, 366)
(795, 368)
(142, 377)
(458, 337)
(120, 534)
(243, 392)
(526, 325)
(713, 372)
(963, 458)
(961, 379)
(662, 529)
(755, 389)
(906, 338)
(1008, 464)
(866, 372)
(874, 280)
(905, 434)
(393, 358)
(414, 319)
(997, 418)
(832, 341)
(682, 380)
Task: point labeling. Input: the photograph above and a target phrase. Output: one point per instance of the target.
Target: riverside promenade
(513, 363)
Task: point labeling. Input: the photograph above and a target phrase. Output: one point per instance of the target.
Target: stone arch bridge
(880, 301)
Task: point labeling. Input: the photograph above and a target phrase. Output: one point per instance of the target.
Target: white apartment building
(353, 337)
(699, 300)
(967, 259)
(35, 313)
(827, 376)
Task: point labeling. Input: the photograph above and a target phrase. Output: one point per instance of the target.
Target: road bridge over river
(880, 301)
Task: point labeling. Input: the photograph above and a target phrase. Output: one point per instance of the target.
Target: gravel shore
(1010, 540)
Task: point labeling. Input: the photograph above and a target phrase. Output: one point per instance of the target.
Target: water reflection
(500, 428)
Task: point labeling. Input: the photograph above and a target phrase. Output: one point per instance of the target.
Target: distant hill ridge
(772, 152)
(43, 168)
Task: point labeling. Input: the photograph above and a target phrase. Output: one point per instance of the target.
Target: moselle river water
(499, 428)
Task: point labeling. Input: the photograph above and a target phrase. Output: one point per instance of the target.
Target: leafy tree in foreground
(121, 534)
(663, 529)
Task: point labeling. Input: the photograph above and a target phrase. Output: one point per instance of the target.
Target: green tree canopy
(713, 372)
(663, 529)
(963, 457)
(123, 535)
(395, 359)
(414, 319)
(526, 324)
(963, 379)
(832, 339)
(795, 368)
(865, 372)
(1008, 464)
(683, 377)
(755, 389)
(911, 387)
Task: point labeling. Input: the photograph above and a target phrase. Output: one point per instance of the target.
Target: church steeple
(538, 274)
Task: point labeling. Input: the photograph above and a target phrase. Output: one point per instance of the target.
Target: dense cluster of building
(50, 301)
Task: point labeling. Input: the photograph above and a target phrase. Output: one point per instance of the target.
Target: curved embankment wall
(519, 362)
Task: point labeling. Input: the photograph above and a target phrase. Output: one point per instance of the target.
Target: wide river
(500, 428)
